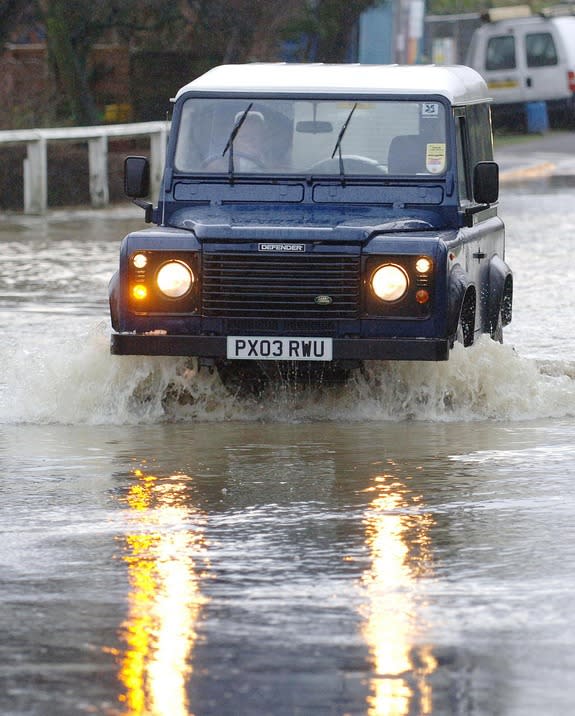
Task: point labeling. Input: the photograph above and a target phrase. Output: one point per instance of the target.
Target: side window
(500, 53)
(463, 180)
(474, 144)
(540, 49)
(480, 133)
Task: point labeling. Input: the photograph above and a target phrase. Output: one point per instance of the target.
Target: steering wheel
(351, 162)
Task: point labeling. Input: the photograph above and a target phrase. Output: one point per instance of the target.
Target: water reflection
(397, 534)
(166, 558)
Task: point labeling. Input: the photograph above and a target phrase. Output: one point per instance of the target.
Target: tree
(10, 11)
(126, 21)
(68, 58)
(225, 30)
(239, 30)
(328, 25)
(72, 30)
(246, 30)
(208, 31)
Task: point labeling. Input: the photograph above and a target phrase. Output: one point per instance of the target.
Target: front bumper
(425, 349)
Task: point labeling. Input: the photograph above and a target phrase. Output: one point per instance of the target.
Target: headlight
(139, 261)
(175, 279)
(389, 282)
(423, 265)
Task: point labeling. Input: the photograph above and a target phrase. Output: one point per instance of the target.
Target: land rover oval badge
(323, 300)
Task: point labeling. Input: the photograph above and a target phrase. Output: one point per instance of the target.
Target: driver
(247, 146)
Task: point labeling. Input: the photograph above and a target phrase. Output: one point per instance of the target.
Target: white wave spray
(76, 381)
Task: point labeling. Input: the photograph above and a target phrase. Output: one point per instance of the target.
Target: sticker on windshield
(430, 109)
(435, 158)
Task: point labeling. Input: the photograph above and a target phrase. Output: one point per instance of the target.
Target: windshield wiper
(337, 147)
(230, 143)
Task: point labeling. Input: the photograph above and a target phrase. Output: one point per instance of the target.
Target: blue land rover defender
(317, 215)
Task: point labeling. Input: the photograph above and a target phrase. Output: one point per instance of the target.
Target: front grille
(262, 286)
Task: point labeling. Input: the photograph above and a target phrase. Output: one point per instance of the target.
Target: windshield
(308, 136)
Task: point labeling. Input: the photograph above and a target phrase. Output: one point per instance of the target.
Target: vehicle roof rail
(562, 9)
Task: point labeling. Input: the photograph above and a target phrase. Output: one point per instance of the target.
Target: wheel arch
(500, 295)
(114, 300)
(462, 305)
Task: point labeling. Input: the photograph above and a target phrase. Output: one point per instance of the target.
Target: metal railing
(36, 161)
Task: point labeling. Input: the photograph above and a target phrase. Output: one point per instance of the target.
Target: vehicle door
(503, 69)
(544, 78)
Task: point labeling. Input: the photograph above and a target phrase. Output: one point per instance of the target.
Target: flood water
(402, 545)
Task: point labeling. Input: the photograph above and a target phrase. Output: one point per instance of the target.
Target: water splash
(74, 380)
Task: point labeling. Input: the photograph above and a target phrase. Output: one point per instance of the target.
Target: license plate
(262, 348)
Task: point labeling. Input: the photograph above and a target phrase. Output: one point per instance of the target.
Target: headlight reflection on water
(165, 554)
(397, 535)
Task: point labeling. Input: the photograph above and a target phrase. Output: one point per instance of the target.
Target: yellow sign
(435, 157)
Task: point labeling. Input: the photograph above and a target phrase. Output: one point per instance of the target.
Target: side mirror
(486, 182)
(136, 177)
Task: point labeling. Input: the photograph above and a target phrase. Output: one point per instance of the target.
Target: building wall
(375, 43)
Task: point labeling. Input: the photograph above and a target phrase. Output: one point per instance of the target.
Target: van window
(500, 53)
(540, 48)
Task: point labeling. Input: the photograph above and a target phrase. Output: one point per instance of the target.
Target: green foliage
(453, 7)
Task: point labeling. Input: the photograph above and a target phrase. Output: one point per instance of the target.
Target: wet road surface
(407, 568)
(400, 545)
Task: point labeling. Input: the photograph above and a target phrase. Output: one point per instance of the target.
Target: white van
(528, 59)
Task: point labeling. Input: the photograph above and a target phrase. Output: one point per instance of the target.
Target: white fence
(36, 161)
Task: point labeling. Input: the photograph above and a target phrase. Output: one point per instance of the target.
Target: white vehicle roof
(459, 84)
(563, 25)
(497, 27)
